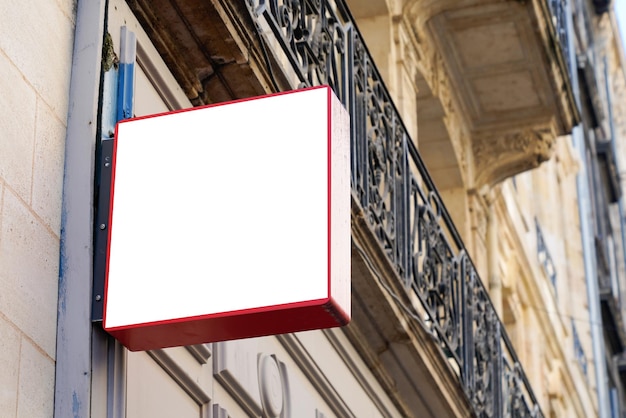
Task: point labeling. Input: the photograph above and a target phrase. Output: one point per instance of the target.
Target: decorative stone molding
(192, 376)
(233, 364)
(498, 80)
(499, 157)
(273, 386)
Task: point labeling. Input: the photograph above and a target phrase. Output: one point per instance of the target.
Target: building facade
(36, 44)
(487, 228)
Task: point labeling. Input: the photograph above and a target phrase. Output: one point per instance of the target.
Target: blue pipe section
(588, 243)
(126, 74)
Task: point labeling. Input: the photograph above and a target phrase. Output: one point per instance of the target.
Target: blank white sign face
(224, 208)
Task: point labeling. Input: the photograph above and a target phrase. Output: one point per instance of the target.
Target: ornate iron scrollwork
(516, 403)
(482, 332)
(435, 270)
(312, 36)
(558, 8)
(321, 45)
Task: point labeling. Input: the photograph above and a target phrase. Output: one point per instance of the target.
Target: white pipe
(591, 275)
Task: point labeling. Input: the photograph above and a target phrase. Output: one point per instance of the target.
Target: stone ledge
(400, 352)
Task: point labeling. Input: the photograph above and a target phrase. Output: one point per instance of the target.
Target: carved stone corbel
(497, 157)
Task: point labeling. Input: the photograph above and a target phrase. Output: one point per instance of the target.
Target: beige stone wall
(537, 314)
(36, 40)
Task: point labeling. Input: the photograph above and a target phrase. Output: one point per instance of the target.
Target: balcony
(502, 70)
(422, 318)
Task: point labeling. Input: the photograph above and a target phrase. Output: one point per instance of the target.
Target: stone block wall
(36, 41)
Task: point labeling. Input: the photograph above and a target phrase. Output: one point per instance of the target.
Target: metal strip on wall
(117, 104)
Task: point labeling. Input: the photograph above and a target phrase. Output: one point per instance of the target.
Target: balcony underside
(200, 46)
(494, 68)
(497, 68)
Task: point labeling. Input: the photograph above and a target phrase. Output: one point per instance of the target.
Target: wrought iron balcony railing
(320, 44)
(559, 11)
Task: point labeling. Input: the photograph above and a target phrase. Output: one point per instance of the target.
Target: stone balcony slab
(502, 66)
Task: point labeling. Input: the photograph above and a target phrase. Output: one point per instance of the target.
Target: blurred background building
(487, 155)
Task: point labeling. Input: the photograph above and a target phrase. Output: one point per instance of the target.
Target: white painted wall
(36, 40)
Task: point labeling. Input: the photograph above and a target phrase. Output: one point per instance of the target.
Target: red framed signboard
(230, 221)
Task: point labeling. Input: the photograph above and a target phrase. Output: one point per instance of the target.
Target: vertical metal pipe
(589, 251)
(591, 275)
(72, 392)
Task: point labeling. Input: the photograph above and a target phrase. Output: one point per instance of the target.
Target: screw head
(102, 226)
(98, 298)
